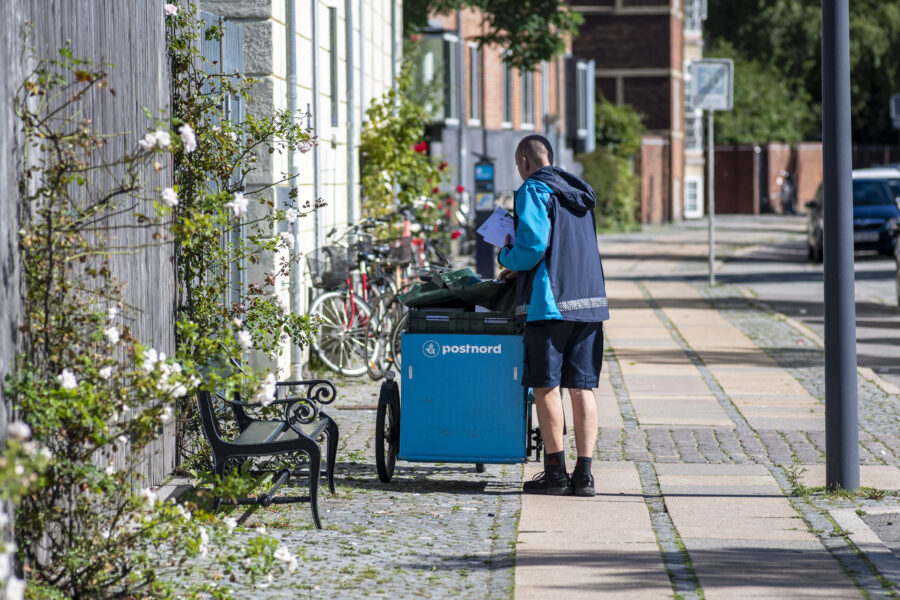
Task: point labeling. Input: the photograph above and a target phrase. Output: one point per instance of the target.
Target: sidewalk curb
(865, 372)
(868, 543)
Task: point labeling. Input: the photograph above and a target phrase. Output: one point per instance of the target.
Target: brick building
(484, 106)
(642, 49)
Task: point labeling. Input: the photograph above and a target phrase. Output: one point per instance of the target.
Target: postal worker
(561, 297)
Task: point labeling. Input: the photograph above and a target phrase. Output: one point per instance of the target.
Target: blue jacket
(556, 253)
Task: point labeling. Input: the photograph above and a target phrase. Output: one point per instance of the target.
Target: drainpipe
(460, 103)
(394, 50)
(351, 119)
(293, 107)
(317, 154)
(362, 63)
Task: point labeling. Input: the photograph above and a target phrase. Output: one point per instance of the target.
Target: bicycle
(343, 308)
(386, 324)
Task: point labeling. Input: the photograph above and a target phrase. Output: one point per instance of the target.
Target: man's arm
(533, 229)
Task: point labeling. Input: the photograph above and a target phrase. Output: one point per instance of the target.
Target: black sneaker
(582, 484)
(551, 484)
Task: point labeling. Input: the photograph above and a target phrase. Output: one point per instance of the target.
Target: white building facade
(326, 60)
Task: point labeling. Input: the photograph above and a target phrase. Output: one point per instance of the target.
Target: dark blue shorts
(563, 353)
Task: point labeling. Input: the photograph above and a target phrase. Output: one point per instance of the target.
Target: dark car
(897, 258)
(876, 213)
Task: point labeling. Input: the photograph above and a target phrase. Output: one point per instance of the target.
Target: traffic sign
(712, 84)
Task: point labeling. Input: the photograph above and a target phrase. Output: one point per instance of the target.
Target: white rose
(170, 197)
(188, 139)
(245, 339)
(163, 138)
(238, 205)
(67, 380)
(19, 430)
(170, 9)
(112, 334)
(147, 142)
(105, 373)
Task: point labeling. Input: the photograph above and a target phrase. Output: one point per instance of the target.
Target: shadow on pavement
(417, 479)
(721, 568)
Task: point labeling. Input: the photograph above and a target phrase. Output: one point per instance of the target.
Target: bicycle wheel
(396, 339)
(386, 313)
(341, 341)
(376, 342)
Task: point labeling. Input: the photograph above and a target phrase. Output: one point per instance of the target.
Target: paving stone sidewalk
(710, 449)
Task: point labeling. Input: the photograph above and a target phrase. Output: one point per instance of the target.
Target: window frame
(333, 65)
(475, 68)
(506, 93)
(527, 101)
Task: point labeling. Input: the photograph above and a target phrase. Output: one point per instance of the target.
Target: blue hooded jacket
(556, 253)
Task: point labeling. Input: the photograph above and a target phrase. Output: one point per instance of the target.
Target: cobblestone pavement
(434, 531)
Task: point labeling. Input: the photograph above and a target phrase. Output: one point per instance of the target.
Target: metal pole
(711, 193)
(841, 429)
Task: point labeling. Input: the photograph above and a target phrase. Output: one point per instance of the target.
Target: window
(581, 86)
(527, 98)
(438, 85)
(507, 95)
(580, 101)
(333, 63)
(474, 83)
(694, 14)
(693, 197)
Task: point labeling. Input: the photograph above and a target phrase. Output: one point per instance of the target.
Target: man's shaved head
(533, 152)
(536, 149)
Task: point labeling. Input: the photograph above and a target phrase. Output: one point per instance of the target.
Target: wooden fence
(131, 35)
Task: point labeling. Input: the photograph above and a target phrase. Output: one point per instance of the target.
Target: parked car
(897, 259)
(876, 213)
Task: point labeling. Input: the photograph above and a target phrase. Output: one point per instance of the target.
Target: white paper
(497, 227)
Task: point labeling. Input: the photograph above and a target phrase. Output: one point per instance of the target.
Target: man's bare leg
(551, 418)
(584, 415)
(555, 479)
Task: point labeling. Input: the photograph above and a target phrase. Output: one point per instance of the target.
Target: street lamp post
(841, 419)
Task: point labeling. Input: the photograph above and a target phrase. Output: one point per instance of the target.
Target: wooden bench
(298, 431)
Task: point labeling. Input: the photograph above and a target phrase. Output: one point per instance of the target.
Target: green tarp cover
(462, 289)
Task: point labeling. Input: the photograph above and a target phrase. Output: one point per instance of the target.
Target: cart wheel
(387, 429)
(479, 467)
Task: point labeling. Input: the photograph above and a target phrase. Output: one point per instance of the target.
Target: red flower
(460, 189)
(440, 205)
(450, 201)
(415, 37)
(443, 165)
(456, 234)
(421, 147)
(435, 190)
(448, 213)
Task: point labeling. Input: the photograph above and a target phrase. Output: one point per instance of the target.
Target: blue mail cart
(462, 395)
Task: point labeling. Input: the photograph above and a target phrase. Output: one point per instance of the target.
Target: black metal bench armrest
(297, 409)
(320, 391)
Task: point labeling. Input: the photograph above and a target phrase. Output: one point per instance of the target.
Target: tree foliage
(531, 30)
(610, 168)
(767, 106)
(784, 38)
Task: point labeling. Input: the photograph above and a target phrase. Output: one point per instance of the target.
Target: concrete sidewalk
(710, 449)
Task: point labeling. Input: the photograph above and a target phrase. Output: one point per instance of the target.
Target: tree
(531, 30)
(784, 36)
(767, 106)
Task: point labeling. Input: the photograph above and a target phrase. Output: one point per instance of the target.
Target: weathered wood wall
(10, 272)
(131, 35)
